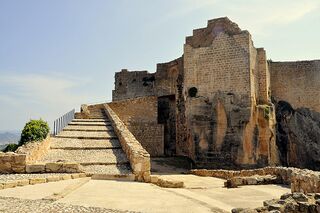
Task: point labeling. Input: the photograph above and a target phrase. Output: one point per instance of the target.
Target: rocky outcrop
(288, 203)
(298, 136)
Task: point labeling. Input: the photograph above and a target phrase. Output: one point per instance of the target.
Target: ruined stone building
(224, 105)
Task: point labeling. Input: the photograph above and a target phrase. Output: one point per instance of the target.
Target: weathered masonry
(216, 104)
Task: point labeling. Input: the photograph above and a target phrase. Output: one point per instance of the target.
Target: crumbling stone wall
(225, 123)
(133, 84)
(140, 117)
(296, 83)
(300, 180)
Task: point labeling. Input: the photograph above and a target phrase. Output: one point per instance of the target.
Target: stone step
(86, 157)
(88, 128)
(87, 135)
(107, 171)
(74, 143)
(90, 123)
(98, 117)
(90, 120)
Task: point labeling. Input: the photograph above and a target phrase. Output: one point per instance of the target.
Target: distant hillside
(9, 137)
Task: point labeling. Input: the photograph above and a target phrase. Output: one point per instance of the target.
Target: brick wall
(140, 116)
(297, 83)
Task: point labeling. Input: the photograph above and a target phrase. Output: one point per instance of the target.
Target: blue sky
(55, 55)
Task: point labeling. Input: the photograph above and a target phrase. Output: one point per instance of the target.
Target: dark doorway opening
(167, 117)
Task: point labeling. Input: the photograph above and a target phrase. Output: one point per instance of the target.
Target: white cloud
(259, 15)
(27, 96)
(40, 88)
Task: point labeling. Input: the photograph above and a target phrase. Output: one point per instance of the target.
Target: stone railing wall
(17, 162)
(57, 167)
(35, 150)
(301, 180)
(139, 158)
(11, 162)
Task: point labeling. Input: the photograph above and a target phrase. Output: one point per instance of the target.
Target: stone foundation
(11, 162)
(300, 180)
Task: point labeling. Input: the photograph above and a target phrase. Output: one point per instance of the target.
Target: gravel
(84, 134)
(12, 205)
(88, 128)
(69, 143)
(123, 169)
(99, 156)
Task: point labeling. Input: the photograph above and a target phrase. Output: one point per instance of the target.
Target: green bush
(12, 147)
(34, 130)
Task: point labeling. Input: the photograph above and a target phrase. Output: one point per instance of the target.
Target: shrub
(12, 147)
(34, 130)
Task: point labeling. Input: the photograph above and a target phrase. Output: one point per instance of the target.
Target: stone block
(9, 184)
(71, 167)
(23, 182)
(53, 178)
(170, 183)
(251, 181)
(154, 179)
(37, 180)
(54, 167)
(66, 177)
(75, 176)
(1, 186)
(82, 175)
(36, 168)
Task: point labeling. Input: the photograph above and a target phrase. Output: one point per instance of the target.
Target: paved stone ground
(10, 177)
(13, 205)
(201, 194)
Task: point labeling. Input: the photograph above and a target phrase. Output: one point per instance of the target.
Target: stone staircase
(93, 144)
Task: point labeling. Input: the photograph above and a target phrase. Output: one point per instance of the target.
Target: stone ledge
(39, 180)
(301, 180)
(165, 182)
(58, 167)
(139, 158)
(234, 182)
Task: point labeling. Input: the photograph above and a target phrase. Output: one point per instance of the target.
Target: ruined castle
(224, 105)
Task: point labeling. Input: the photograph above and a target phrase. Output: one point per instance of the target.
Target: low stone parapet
(138, 157)
(11, 162)
(300, 180)
(234, 182)
(58, 167)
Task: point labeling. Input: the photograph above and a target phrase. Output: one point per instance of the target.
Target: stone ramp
(93, 144)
